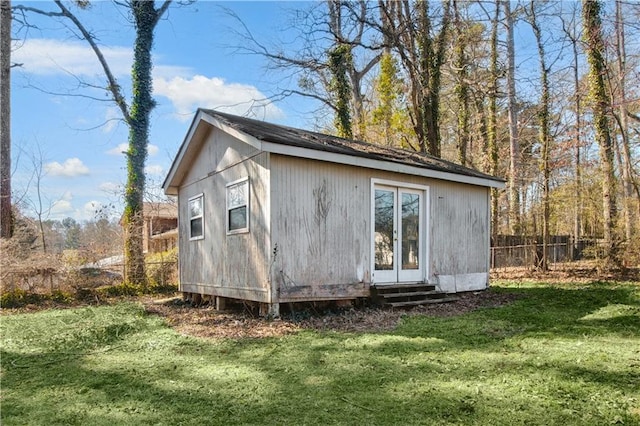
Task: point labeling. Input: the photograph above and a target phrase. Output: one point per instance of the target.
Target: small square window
(196, 217)
(238, 206)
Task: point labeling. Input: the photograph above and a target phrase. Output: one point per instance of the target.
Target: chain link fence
(518, 251)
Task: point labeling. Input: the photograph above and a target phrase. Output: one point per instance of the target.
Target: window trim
(200, 216)
(247, 205)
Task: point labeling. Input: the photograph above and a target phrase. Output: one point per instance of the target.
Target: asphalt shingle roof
(290, 136)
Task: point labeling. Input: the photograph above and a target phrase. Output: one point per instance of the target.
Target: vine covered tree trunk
(601, 105)
(6, 216)
(144, 14)
(340, 61)
(492, 133)
(462, 86)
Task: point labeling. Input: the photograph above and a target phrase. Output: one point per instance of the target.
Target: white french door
(398, 235)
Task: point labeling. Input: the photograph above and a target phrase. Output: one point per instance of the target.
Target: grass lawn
(561, 354)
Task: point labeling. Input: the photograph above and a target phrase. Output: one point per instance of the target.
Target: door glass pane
(410, 230)
(384, 212)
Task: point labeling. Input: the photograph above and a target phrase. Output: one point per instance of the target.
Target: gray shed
(273, 214)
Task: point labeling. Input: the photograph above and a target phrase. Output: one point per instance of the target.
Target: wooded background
(555, 110)
(544, 94)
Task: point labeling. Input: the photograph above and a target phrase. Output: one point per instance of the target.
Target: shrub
(162, 269)
(18, 298)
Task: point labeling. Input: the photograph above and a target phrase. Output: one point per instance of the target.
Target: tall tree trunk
(543, 135)
(514, 146)
(6, 215)
(462, 86)
(435, 83)
(571, 33)
(577, 218)
(626, 163)
(142, 104)
(492, 135)
(601, 105)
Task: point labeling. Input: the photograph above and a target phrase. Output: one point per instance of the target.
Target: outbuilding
(273, 214)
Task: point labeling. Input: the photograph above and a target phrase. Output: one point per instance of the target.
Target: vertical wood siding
(226, 265)
(321, 225)
(459, 235)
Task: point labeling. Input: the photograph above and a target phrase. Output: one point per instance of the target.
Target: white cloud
(199, 91)
(119, 150)
(154, 170)
(61, 208)
(43, 56)
(123, 147)
(71, 167)
(90, 209)
(110, 187)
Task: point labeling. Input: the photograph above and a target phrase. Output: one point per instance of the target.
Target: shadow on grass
(593, 310)
(555, 356)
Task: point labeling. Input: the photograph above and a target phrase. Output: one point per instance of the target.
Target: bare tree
(136, 115)
(544, 135)
(570, 31)
(514, 145)
(622, 120)
(34, 196)
(335, 58)
(421, 46)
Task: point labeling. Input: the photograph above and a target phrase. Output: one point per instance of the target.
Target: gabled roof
(306, 144)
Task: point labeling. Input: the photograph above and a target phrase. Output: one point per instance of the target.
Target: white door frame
(398, 275)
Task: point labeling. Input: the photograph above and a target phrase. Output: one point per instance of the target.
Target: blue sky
(195, 65)
(81, 139)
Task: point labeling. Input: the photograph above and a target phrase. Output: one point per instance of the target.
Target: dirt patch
(207, 322)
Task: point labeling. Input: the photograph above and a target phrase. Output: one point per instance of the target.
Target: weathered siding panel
(321, 229)
(320, 233)
(236, 265)
(459, 236)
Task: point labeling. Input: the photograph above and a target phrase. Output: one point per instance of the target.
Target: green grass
(562, 355)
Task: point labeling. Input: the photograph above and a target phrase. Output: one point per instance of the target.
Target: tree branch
(161, 10)
(114, 87)
(632, 115)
